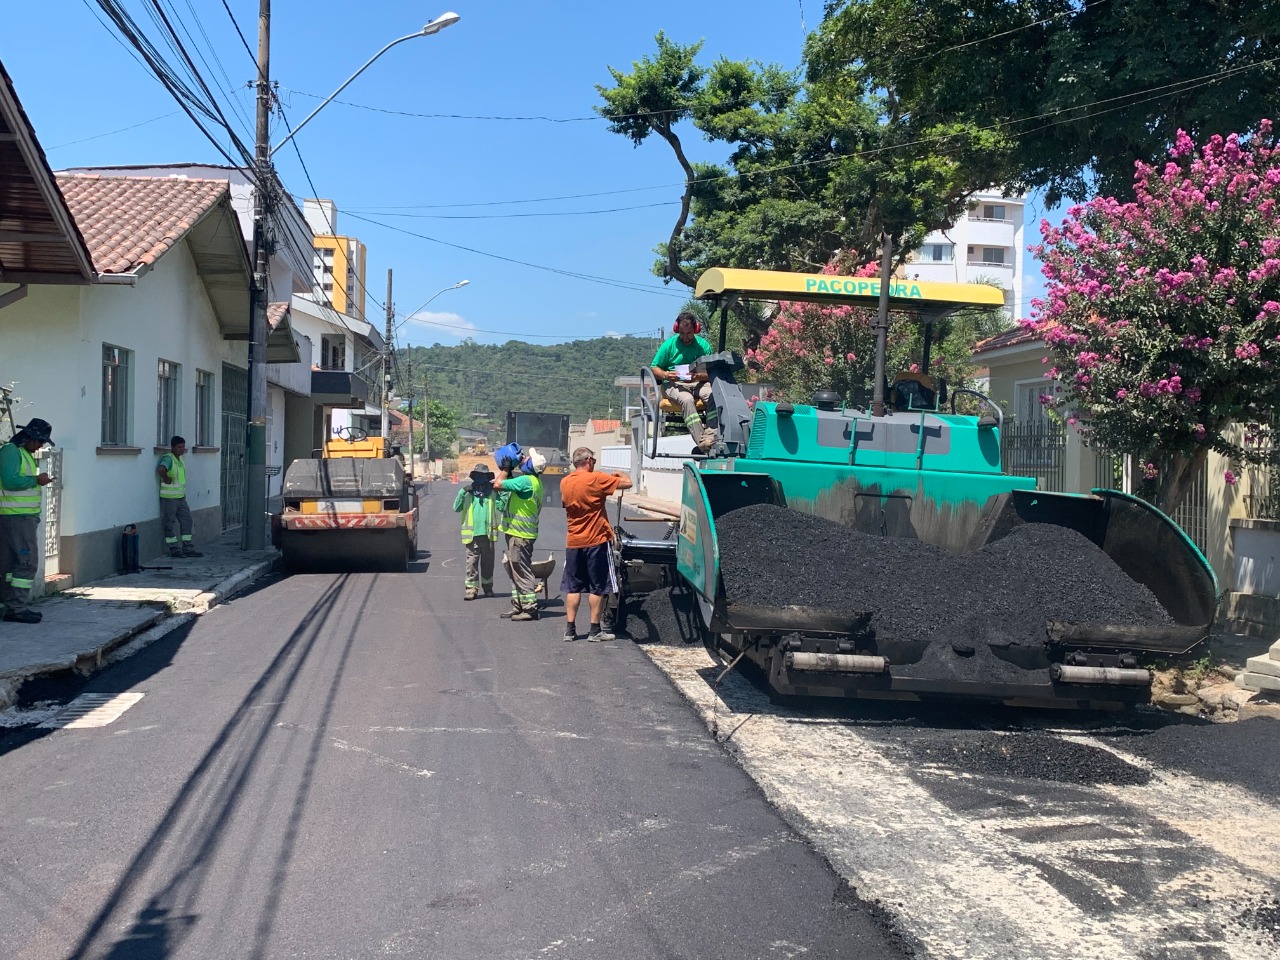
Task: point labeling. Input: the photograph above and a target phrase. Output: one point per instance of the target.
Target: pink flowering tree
(810, 346)
(1163, 315)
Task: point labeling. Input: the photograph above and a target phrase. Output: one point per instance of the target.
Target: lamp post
(426, 413)
(266, 188)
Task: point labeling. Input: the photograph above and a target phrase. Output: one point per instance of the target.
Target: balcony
(339, 388)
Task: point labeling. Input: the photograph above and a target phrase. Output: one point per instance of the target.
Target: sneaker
(599, 636)
(488, 591)
(524, 616)
(192, 553)
(570, 634)
(22, 616)
(470, 594)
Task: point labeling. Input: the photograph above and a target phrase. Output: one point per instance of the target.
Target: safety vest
(469, 531)
(16, 503)
(522, 514)
(178, 474)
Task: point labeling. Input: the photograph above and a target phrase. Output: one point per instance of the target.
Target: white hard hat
(536, 462)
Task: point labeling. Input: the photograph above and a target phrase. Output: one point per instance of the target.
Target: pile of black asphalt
(1021, 755)
(1245, 753)
(1001, 595)
(667, 617)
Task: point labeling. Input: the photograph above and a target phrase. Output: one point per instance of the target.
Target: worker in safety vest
(175, 515)
(520, 481)
(20, 484)
(478, 504)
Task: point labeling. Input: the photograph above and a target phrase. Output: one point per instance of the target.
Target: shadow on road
(161, 888)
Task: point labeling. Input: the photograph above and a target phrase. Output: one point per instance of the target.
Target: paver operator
(478, 503)
(20, 496)
(588, 556)
(175, 515)
(673, 366)
(519, 479)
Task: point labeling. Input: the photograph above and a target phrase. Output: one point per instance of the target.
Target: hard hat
(535, 463)
(38, 429)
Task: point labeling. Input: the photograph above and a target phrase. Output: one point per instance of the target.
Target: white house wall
(51, 344)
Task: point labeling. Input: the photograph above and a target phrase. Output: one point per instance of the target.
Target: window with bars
(115, 395)
(204, 408)
(168, 390)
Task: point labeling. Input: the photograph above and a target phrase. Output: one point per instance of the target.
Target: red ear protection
(697, 326)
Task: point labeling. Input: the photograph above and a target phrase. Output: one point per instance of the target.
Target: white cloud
(446, 325)
(589, 315)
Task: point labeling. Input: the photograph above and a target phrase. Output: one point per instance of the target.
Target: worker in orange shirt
(588, 559)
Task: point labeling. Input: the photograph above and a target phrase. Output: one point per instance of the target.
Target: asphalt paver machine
(350, 508)
(911, 467)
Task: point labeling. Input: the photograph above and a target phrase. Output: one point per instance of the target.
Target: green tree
(442, 429)
(1079, 89)
(818, 169)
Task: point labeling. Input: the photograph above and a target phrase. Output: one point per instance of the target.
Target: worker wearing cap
(20, 496)
(520, 482)
(588, 555)
(175, 515)
(477, 502)
(672, 367)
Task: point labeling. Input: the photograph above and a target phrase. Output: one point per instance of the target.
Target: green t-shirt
(673, 352)
(521, 486)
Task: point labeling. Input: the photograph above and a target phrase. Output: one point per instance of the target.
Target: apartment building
(986, 243)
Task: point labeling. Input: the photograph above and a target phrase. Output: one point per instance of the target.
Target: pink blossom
(1230, 479)
(1121, 393)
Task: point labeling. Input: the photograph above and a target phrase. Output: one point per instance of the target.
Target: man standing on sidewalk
(20, 485)
(588, 556)
(520, 525)
(175, 515)
(478, 505)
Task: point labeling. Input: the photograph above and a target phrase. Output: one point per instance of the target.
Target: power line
(109, 133)
(509, 216)
(1005, 33)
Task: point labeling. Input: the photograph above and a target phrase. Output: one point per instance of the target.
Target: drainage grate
(91, 710)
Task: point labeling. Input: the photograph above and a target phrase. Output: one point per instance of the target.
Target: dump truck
(549, 434)
(875, 553)
(353, 507)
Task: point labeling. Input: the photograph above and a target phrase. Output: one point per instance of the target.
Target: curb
(169, 617)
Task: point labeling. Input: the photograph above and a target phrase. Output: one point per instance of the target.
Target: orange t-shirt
(583, 494)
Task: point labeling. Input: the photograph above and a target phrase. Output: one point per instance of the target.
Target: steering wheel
(995, 418)
(352, 434)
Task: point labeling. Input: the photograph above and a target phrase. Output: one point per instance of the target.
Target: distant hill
(489, 379)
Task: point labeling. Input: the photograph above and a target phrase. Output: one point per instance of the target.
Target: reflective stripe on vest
(15, 503)
(178, 472)
(469, 531)
(522, 514)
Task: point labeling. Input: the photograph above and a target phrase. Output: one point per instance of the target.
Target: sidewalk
(82, 625)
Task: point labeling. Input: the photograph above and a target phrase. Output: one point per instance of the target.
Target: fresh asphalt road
(364, 765)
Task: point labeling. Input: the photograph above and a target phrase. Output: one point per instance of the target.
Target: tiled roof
(276, 312)
(131, 222)
(1010, 338)
(605, 426)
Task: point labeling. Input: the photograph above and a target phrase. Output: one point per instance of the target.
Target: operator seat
(917, 391)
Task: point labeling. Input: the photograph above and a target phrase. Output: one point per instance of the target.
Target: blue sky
(454, 144)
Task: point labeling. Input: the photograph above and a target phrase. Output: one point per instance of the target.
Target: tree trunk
(1179, 474)
(674, 270)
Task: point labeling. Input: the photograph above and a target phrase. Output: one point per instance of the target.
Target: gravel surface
(1001, 595)
(1031, 756)
(1262, 915)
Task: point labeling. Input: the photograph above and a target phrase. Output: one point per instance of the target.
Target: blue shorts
(589, 570)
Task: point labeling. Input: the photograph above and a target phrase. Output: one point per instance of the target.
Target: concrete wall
(53, 344)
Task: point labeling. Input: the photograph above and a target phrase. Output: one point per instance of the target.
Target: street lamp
(435, 26)
(265, 182)
(408, 357)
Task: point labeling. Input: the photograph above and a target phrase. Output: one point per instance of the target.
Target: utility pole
(254, 532)
(386, 369)
(881, 325)
(408, 360)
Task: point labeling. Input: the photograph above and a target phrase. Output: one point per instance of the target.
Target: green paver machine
(910, 466)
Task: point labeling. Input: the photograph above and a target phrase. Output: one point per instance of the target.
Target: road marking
(91, 710)
(981, 867)
(379, 759)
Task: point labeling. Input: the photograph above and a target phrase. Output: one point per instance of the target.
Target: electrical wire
(1005, 33)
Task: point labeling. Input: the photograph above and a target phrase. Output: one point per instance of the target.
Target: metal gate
(1034, 449)
(235, 418)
